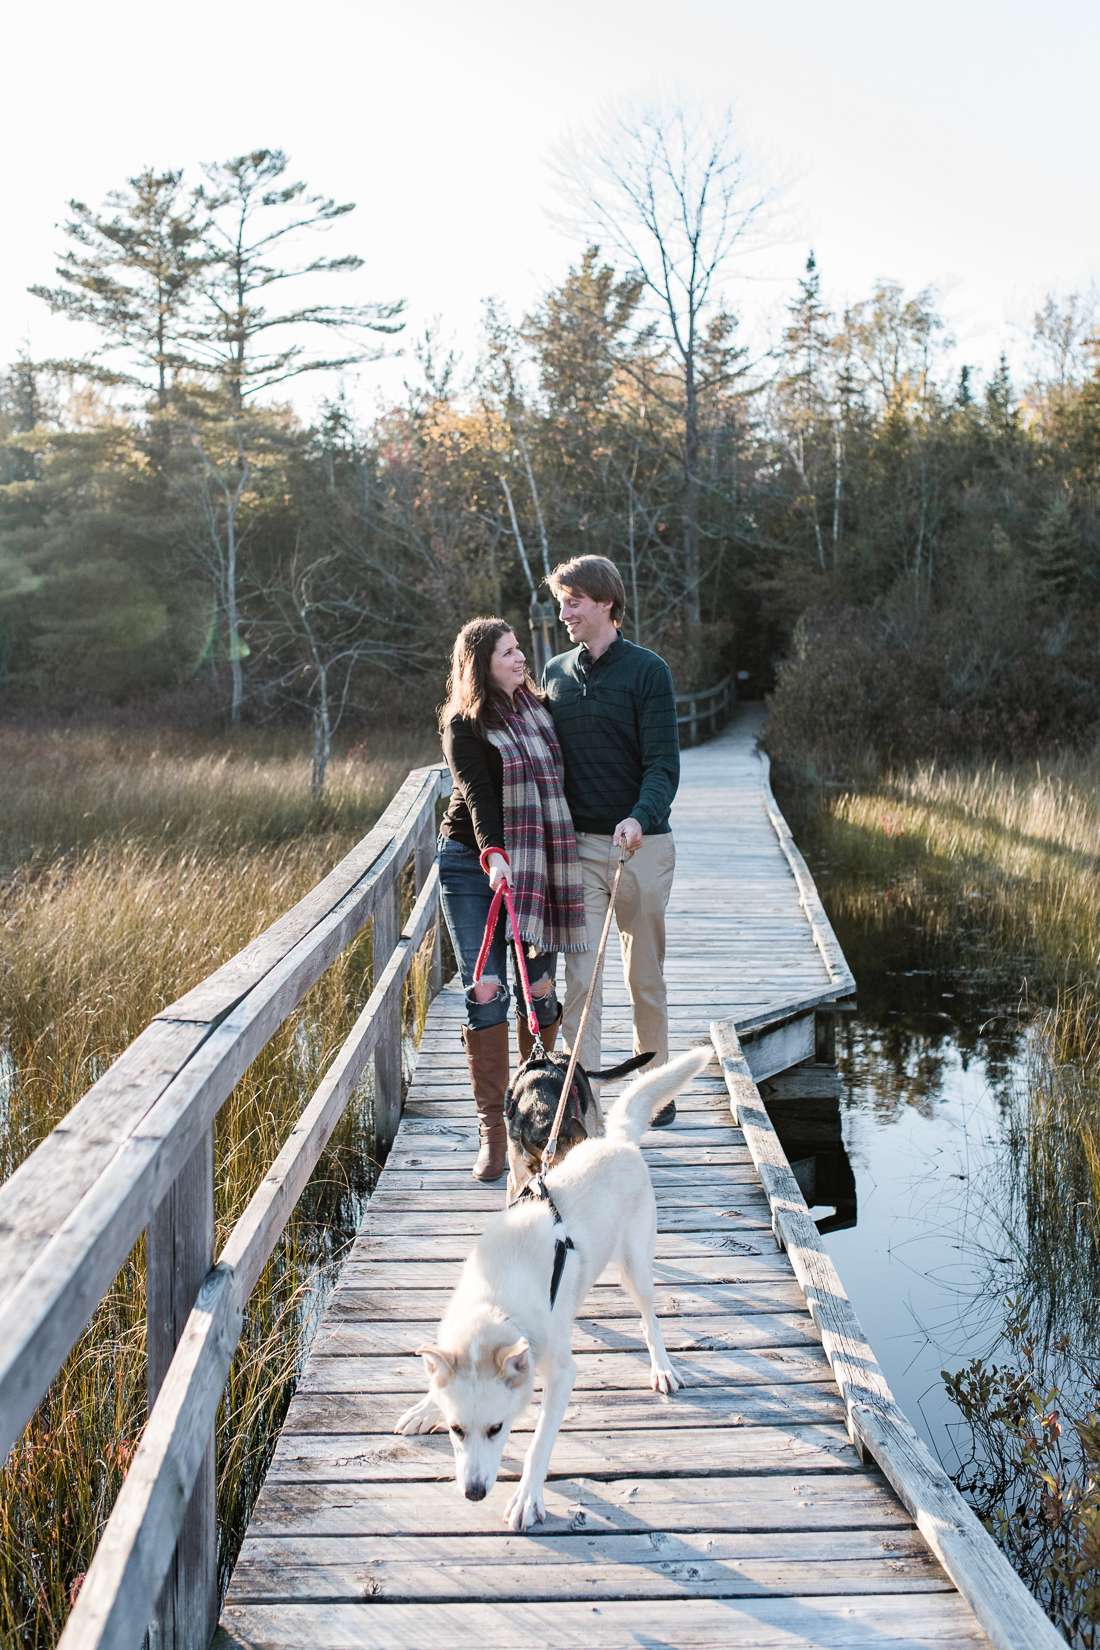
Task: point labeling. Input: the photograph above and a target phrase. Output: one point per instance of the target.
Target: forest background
(908, 557)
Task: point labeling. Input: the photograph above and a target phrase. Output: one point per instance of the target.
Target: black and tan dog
(532, 1101)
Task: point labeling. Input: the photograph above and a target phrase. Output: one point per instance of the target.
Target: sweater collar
(587, 663)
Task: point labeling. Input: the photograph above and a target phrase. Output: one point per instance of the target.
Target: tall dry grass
(1019, 848)
(131, 872)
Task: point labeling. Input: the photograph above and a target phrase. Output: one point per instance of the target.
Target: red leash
(504, 893)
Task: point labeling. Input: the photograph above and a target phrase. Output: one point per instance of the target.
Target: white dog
(513, 1309)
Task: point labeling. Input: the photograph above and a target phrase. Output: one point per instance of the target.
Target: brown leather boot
(549, 1035)
(487, 1058)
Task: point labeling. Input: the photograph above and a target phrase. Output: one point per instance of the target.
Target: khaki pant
(640, 917)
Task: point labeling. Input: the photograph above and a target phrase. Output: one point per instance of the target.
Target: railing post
(692, 725)
(387, 1052)
(179, 1251)
(714, 713)
(425, 859)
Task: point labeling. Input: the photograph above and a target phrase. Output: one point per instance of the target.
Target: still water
(928, 1068)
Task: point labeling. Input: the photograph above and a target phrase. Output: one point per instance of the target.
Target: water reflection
(806, 1113)
(928, 1068)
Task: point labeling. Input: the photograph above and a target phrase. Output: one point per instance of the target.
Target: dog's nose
(475, 1491)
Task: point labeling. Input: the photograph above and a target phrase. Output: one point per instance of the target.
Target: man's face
(586, 620)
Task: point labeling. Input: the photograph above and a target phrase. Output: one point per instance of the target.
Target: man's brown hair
(592, 576)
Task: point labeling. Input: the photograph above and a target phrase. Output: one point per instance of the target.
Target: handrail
(719, 704)
(71, 1213)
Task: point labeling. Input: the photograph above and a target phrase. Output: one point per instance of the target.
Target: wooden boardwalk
(735, 1513)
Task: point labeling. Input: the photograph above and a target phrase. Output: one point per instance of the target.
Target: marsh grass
(1014, 853)
(131, 872)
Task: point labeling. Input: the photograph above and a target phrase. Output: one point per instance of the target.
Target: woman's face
(506, 665)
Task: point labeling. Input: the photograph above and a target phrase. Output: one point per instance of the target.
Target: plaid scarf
(545, 872)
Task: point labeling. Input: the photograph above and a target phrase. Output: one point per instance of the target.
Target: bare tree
(316, 629)
(671, 190)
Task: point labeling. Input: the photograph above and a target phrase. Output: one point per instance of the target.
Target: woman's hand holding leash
(497, 867)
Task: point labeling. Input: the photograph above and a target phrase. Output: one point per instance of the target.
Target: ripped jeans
(465, 897)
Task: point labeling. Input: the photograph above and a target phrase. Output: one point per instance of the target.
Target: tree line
(908, 558)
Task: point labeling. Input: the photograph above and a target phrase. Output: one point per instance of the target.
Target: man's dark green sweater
(616, 719)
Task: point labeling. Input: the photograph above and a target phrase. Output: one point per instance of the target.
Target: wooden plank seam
(876, 1425)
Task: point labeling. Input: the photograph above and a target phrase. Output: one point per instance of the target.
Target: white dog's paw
(524, 1507)
(422, 1417)
(664, 1379)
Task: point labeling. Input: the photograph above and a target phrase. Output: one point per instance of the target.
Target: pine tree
(131, 274)
(1058, 548)
(251, 214)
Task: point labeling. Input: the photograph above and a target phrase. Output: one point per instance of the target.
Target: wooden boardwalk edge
(877, 1427)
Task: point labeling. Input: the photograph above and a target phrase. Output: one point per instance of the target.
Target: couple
(547, 787)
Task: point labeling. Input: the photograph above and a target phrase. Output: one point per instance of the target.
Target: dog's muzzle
(475, 1491)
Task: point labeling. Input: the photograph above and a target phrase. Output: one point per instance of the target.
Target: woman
(507, 822)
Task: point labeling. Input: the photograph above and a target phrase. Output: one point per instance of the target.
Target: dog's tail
(633, 1111)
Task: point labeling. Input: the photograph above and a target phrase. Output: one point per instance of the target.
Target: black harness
(536, 1190)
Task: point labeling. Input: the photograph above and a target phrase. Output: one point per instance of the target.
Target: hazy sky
(952, 142)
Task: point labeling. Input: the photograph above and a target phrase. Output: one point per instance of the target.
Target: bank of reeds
(1015, 852)
(131, 872)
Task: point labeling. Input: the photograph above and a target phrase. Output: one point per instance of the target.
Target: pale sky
(952, 142)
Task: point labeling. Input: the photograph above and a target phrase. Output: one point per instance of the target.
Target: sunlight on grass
(131, 870)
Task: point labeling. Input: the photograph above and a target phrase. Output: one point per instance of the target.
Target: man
(614, 710)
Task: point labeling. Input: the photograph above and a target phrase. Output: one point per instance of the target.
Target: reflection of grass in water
(1054, 1152)
(104, 922)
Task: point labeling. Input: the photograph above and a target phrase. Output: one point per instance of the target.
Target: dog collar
(537, 1190)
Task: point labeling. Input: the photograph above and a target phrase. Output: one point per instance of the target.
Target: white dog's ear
(514, 1363)
(439, 1365)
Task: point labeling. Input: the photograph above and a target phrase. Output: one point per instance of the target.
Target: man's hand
(628, 835)
(498, 870)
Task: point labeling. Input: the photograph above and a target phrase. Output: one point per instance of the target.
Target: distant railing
(137, 1154)
(707, 706)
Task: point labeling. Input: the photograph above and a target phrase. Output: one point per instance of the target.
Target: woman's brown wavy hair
(470, 690)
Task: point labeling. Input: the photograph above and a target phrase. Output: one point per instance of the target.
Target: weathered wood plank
(321, 1414)
(669, 1301)
(567, 1550)
(658, 1565)
(596, 1372)
(839, 1623)
(783, 1502)
(788, 1449)
(351, 1337)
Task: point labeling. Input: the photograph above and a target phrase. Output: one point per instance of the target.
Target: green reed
(133, 871)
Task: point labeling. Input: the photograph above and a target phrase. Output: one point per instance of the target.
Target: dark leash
(536, 1191)
(536, 1187)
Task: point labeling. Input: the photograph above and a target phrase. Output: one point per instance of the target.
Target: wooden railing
(136, 1154)
(707, 706)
